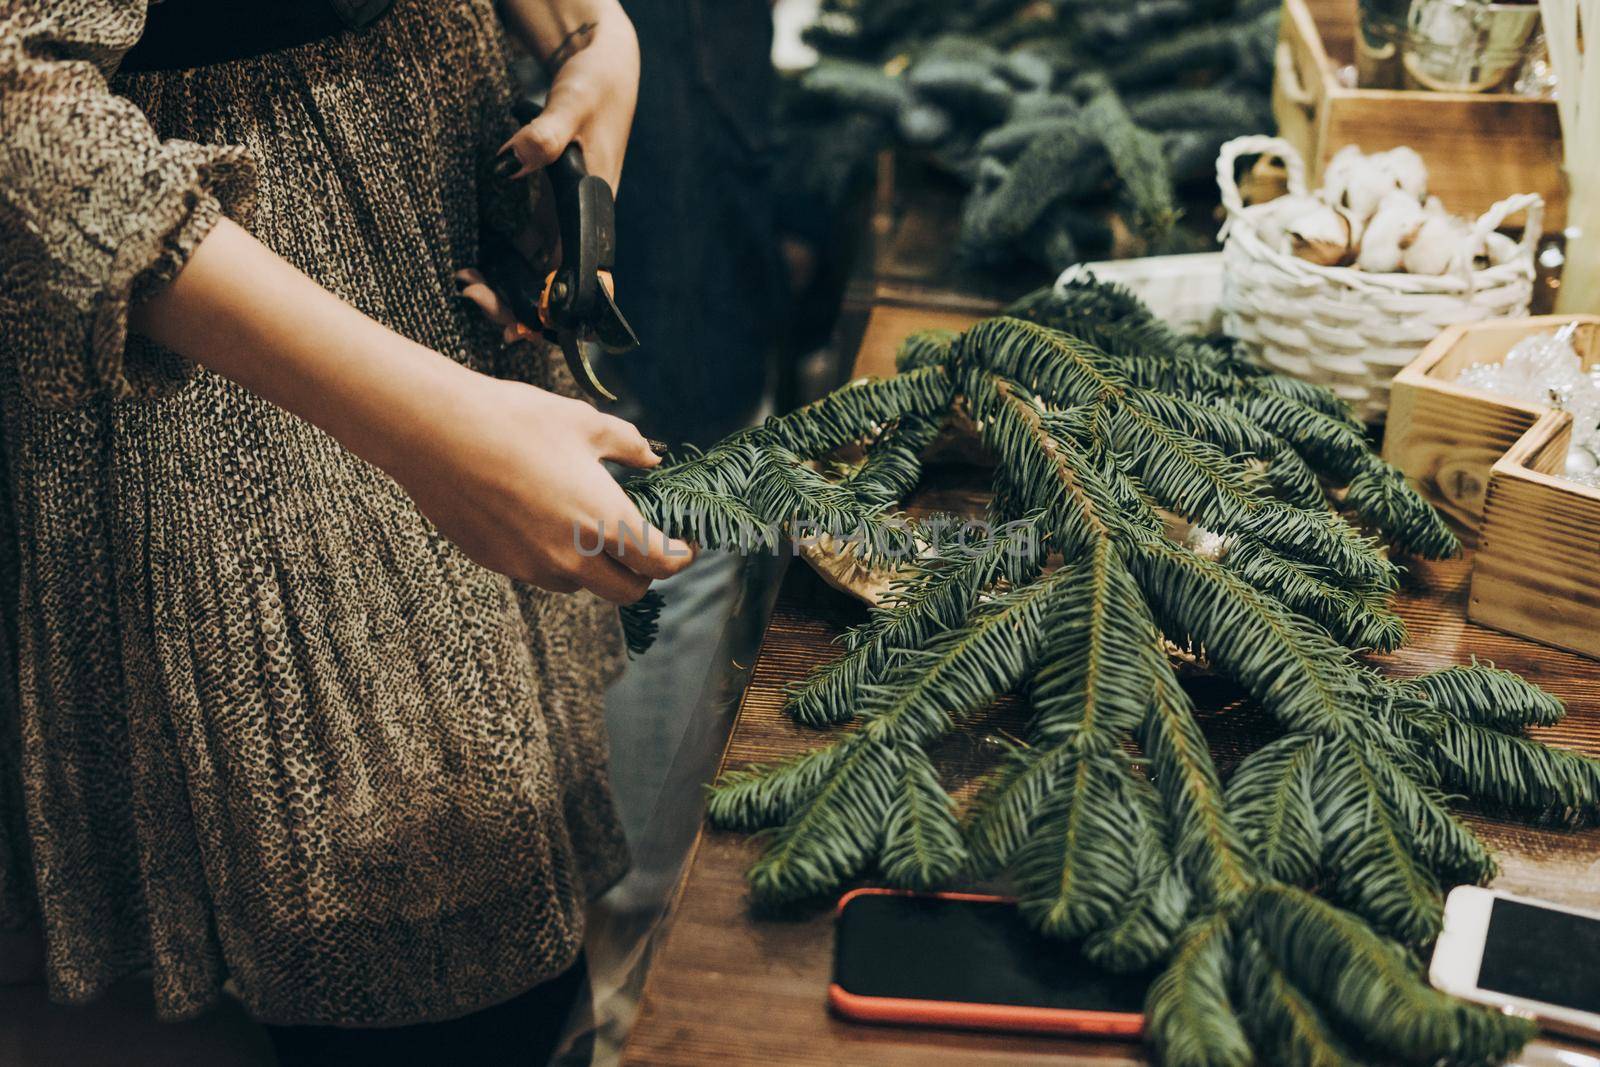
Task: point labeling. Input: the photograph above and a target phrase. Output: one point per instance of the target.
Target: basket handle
(1492, 219)
(1256, 146)
(1497, 214)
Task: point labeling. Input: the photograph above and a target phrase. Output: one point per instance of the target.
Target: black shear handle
(586, 215)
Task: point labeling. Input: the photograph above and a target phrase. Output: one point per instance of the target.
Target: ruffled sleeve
(95, 210)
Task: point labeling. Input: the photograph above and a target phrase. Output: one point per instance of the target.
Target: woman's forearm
(513, 474)
(545, 26)
(240, 310)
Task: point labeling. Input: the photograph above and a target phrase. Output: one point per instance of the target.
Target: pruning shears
(574, 305)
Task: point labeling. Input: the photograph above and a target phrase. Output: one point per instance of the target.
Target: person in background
(701, 279)
(296, 699)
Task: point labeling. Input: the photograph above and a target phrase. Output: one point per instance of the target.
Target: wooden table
(729, 988)
(726, 987)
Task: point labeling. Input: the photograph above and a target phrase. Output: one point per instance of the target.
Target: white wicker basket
(1349, 329)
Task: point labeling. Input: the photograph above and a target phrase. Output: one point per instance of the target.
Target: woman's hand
(594, 59)
(512, 474)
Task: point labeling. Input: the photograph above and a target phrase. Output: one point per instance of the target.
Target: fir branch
(1292, 479)
(1518, 773)
(1189, 1013)
(961, 670)
(922, 846)
(1380, 495)
(1487, 696)
(1078, 867)
(832, 836)
(1150, 921)
(707, 517)
(934, 596)
(1208, 849)
(1057, 482)
(925, 348)
(1359, 616)
(784, 489)
(1370, 989)
(763, 796)
(858, 411)
(1090, 693)
(1094, 426)
(1297, 673)
(1367, 846)
(1271, 799)
(640, 621)
(1283, 1023)
(893, 467)
(1042, 361)
(1135, 155)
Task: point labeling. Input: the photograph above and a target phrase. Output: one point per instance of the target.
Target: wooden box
(1479, 147)
(1447, 437)
(1493, 466)
(1537, 570)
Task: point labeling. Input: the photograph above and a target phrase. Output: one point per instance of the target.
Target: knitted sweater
(259, 721)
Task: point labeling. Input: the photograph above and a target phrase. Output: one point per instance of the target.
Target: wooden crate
(1537, 570)
(1493, 466)
(1447, 437)
(1479, 147)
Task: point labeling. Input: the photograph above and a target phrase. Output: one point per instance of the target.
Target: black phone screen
(979, 952)
(1542, 954)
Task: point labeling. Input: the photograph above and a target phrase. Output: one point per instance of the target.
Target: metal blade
(572, 347)
(611, 328)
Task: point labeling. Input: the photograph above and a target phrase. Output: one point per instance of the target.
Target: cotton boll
(1324, 236)
(1434, 206)
(1369, 183)
(1409, 171)
(1358, 183)
(1336, 176)
(1208, 544)
(1393, 226)
(1272, 219)
(1438, 246)
(1358, 228)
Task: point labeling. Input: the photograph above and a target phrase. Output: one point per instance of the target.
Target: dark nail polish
(506, 166)
(660, 448)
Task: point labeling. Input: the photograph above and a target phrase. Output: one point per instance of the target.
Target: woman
(279, 716)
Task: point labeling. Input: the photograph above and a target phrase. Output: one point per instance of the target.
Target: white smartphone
(1523, 955)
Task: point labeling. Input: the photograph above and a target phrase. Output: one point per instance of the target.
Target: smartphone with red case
(969, 960)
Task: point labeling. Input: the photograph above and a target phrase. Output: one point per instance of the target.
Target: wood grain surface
(730, 987)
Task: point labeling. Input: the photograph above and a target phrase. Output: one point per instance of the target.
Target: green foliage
(1110, 436)
(1055, 120)
(640, 622)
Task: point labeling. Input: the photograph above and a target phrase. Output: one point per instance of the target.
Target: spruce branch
(1485, 695)
(1272, 798)
(1189, 1014)
(1370, 989)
